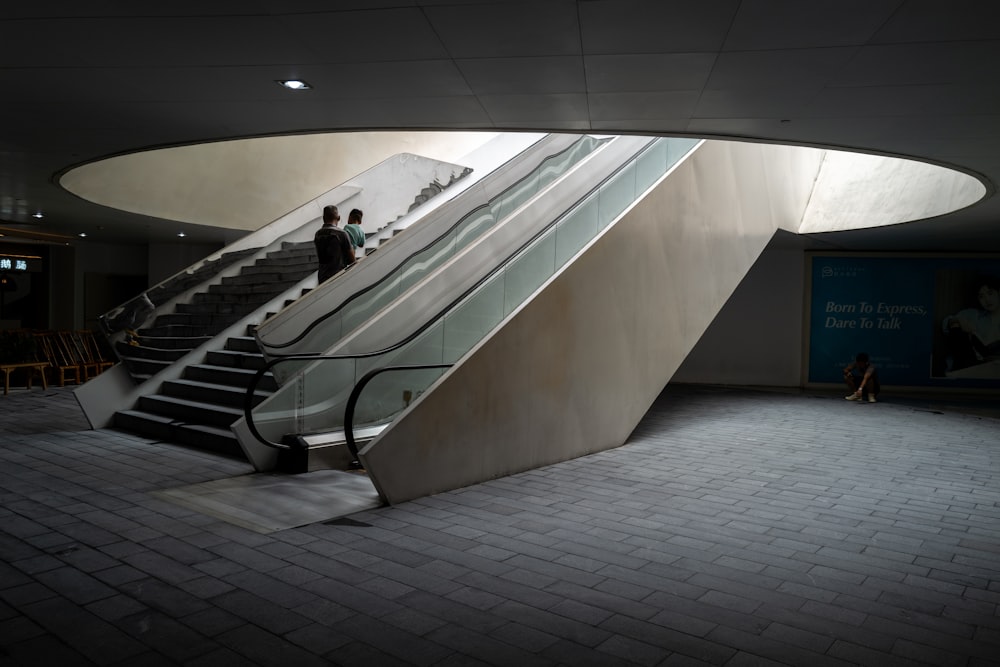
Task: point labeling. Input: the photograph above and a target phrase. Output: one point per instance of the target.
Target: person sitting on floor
(862, 379)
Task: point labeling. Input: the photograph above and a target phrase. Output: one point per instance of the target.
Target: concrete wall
(70, 265)
(575, 369)
(758, 336)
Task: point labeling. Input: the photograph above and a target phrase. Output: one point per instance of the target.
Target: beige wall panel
(577, 367)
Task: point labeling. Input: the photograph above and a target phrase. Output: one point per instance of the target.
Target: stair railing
(294, 226)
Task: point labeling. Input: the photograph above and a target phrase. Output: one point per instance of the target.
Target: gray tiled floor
(734, 528)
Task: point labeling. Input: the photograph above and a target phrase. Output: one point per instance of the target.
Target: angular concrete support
(575, 369)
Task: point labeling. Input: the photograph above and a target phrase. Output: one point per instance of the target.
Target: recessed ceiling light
(82, 235)
(181, 234)
(295, 84)
(37, 215)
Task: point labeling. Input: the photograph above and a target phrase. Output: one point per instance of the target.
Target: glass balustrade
(318, 399)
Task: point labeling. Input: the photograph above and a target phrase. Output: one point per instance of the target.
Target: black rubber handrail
(312, 325)
(248, 397)
(352, 400)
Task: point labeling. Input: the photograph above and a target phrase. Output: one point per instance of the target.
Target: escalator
(333, 313)
(186, 345)
(452, 308)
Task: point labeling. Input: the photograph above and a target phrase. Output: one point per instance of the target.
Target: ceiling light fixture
(82, 235)
(295, 84)
(181, 234)
(37, 214)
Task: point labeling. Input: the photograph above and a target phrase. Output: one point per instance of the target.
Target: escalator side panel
(575, 368)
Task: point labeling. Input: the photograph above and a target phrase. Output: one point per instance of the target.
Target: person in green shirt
(354, 230)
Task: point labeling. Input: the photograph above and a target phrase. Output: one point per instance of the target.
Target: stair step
(210, 323)
(235, 359)
(211, 307)
(268, 288)
(184, 330)
(184, 410)
(294, 254)
(234, 294)
(283, 263)
(144, 367)
(210, 393)
(149, 353)
(243, 344)
(169, 342)
(233, 377)
(219, 440)
(260, 280)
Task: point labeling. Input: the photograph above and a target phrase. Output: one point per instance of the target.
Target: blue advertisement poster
(923, 321)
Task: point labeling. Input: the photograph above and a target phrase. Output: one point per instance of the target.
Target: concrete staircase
(185, 281)
(198, 408)
(173, 335)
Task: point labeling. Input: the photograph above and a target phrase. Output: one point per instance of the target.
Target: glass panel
(390, 393)
(616, 195)
(328, 384)
(425, 349)
(423, 263)
(278, 414)
(576, 229)
(286, 369)
(650, 166)
(358, 311)
(526, 272)
(678, 148)
(513, 198)
(467, 323)
(557, 165)
(472, 226)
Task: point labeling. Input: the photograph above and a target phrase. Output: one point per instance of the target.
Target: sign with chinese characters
(924, 321)
(20, 263)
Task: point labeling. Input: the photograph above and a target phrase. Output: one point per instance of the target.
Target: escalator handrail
(352, 400)
(248, 397)
(312, 325)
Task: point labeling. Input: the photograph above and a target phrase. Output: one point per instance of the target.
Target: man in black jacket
(333, 247)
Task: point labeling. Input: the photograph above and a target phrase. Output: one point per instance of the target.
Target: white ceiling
(84, 81)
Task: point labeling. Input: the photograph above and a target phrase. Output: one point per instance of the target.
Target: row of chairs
(73, 355)
(70, 356)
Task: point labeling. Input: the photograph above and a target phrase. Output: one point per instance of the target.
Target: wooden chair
(76, 352)
(63, 367)
(93, 350)
(19, 352)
